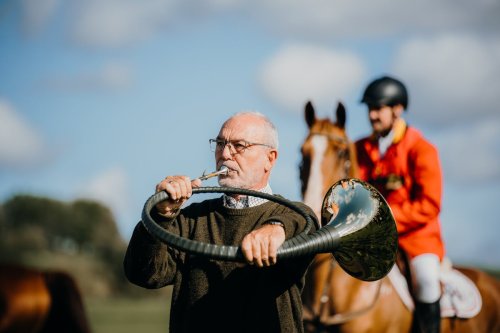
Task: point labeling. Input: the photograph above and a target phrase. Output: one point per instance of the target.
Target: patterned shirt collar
(246, 201)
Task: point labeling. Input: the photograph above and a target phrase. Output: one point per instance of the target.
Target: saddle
(460, 297)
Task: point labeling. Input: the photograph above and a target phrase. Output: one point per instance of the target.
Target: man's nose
(373, 114)
(226, 152)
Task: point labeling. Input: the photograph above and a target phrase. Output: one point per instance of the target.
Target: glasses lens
(239, 146)
(213, 144)
(217, 145)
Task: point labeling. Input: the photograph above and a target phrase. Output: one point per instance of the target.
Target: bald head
(257, 125)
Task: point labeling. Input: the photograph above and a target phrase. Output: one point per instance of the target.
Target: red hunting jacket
(409, 177)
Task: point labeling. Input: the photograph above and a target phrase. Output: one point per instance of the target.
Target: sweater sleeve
(293, 222)
(148, 262)
(424, 203)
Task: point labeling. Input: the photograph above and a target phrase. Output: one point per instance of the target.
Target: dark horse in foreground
(336, 302)
(34, 301)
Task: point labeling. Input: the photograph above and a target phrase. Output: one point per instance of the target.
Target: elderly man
(210, 295)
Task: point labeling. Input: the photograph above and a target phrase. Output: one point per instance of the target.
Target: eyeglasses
(235, 147)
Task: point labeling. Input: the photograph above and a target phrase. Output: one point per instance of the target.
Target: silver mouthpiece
(223, 171)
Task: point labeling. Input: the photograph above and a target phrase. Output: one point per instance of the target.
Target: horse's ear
(309, 114)
(341, 115)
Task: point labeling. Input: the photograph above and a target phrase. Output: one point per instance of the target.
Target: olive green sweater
(218, 296)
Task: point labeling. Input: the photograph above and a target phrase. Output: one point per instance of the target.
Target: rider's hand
(260, 247)
(179, 189)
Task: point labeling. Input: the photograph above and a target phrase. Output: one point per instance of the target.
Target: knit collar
(246, 201)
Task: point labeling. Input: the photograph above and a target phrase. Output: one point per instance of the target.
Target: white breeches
(425, 270)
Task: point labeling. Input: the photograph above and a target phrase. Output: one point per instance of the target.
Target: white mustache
(228, 167)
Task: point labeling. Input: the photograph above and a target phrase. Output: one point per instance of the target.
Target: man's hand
(260, 247)
(179, 189)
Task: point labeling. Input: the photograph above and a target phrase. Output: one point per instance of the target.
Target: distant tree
(32, 226)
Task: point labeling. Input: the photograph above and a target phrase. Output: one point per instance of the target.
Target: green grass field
(128, 315)
(137, 315)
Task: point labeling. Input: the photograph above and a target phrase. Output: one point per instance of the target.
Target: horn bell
(366, 229)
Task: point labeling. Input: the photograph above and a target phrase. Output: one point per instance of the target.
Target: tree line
(80, 237)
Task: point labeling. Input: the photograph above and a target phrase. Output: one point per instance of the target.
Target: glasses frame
(218, 145)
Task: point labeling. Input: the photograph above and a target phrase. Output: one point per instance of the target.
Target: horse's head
(327, 156)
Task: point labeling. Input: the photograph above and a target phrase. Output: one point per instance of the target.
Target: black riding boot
(428, 317)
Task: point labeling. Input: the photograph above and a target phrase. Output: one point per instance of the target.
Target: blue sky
(103, 98)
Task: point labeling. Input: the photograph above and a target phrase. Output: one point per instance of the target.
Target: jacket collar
(399, 130)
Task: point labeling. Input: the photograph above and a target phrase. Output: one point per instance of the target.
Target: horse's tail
(67, 313)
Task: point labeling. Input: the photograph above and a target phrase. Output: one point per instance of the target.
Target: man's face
(251, 167)
(382, 118)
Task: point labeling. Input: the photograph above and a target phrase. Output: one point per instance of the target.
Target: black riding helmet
(385, 91)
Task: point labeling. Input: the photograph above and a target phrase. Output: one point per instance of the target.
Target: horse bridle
(343, 153)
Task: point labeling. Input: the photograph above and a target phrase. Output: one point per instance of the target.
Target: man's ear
(272, 156)
(398, 110)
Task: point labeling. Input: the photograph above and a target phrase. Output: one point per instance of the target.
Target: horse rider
(405, 168)
(263, 295)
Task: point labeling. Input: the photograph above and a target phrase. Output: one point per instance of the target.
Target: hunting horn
(358, 229)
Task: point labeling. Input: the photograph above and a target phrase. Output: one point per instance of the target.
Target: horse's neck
(353, 161)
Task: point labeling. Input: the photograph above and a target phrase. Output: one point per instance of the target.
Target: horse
(332, 300)
(36, 301)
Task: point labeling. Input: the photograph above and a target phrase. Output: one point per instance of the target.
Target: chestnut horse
(34, 301)
(336, 302)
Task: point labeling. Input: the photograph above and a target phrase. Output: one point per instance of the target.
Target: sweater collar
(246, 201)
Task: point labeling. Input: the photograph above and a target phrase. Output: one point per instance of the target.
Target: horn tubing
(291, 247)
(362, 238)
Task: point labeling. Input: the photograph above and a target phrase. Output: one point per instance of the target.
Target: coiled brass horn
(358, 229)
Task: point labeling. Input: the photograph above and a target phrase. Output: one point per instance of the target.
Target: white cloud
(451, 78)
(111, 23)
(109, 187)
(37, 13)
(297, 73)
(20, 144)
(329, 19)
(113, 76)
